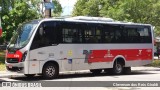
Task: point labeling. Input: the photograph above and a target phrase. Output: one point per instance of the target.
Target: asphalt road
(138, 74)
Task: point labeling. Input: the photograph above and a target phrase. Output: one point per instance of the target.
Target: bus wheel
(50, 71)
(29, 75)
(96, 71)
(127, 70)
(117, 68)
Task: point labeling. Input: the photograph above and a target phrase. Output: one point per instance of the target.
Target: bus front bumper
(15, 67)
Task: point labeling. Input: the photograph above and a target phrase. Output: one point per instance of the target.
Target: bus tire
(127, 70)
(29, 75)
(117, 68)
(50, 71)
(96, 71)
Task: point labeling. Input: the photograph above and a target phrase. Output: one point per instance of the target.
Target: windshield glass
(22, 35)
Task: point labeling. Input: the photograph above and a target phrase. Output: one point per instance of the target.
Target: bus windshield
(22, 35)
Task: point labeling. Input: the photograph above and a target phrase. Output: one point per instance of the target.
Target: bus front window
(22, 35)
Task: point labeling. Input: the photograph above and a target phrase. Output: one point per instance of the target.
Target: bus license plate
(10, 66)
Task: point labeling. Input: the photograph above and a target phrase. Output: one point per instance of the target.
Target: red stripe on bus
(128, 54)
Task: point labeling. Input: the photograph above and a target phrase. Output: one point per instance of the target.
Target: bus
(49, 46)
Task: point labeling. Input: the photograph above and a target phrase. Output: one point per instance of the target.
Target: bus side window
(71, 33)
(145, 35)
(75, 37)
(92, 33)
(132, 35)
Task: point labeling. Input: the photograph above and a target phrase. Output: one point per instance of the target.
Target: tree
(37, 5)
(87, 8)
(138, 11)
(91, 7)
(56, 12)
(21, 12)
(5, 4)
(79, 7)
(16, 12)
(57, 9)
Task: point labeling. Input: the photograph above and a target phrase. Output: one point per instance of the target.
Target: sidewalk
(145, 68)
(5, 74)
(155, 57)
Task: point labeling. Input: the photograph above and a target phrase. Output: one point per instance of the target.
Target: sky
(67, 6)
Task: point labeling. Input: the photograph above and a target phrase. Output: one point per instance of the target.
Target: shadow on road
(79, 75)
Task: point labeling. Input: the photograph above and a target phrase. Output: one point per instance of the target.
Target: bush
(2, 61)
(155, 63)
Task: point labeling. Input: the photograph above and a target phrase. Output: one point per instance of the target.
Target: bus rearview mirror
(41, 31)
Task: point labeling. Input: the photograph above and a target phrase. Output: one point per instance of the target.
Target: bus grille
(15, 69)
(12, 60)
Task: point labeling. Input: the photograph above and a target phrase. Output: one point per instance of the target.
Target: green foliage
(87, 8)
(21, 12)
(79, 7)
(57, 9)
(2, 64)
(2, 60)
(138, 11)
(16, 12)
(155, 63)
(56, 12)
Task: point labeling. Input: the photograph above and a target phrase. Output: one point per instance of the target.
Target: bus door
(72, 46)
(43, 47)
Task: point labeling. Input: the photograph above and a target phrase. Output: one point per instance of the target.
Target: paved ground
(138, 74)
(155, 57)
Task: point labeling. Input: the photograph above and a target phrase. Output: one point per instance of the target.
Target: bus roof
(86, 19)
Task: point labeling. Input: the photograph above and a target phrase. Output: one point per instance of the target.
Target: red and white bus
(50, 46)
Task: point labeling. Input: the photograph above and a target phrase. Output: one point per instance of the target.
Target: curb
(9, 76)
(5, 74)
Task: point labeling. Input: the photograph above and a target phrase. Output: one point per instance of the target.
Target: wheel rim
(118, 68)
(50, 71)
